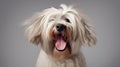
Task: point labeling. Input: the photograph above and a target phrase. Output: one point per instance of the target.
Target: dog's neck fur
(75, 61)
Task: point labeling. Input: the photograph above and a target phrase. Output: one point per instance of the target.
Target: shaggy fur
(41, 29)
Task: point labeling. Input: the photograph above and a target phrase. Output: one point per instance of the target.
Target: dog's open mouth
(62, 47)
(60, 44)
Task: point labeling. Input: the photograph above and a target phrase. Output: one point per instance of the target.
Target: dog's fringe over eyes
(76, 31)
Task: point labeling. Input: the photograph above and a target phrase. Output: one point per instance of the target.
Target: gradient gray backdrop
(15, 51)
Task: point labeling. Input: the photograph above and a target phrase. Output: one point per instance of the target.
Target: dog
(60, 33)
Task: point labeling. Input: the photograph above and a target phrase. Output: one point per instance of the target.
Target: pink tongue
(60, 44)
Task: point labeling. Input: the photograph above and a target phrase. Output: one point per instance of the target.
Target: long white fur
(40, 25)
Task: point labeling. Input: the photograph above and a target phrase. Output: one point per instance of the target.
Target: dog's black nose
(60, 27)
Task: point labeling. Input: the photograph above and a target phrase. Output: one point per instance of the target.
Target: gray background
(15, 51)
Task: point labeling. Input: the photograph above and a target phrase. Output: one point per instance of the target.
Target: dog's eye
(52, 19)
(67, 20)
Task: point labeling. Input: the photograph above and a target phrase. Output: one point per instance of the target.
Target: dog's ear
(85, 33)
(33, 30)
(36, 23)
(88, 32)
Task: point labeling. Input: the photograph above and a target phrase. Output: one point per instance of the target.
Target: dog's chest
(57, 64)
(44, 61)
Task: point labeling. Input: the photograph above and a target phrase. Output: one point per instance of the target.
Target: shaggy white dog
(60, 33)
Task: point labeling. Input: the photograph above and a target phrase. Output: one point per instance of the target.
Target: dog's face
(61, 32)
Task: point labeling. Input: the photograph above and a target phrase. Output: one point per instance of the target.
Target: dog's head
(61, 32)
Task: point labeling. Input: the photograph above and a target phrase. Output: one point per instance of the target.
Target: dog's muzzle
(61, 42)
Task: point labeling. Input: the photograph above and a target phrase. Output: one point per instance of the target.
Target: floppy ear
(33, 30)
(35, 25)
(89, 34)
(85, 34)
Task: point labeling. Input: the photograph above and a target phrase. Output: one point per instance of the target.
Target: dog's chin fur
(41, 30)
